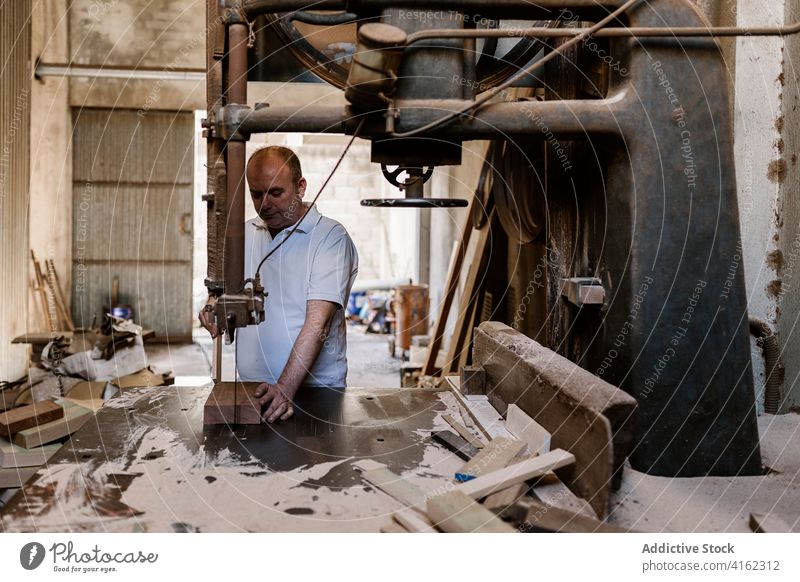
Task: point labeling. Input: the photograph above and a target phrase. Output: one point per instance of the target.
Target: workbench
(147, 463)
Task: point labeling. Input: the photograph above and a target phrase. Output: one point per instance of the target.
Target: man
(302, 341)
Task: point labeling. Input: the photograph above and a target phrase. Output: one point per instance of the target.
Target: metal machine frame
(673, 328)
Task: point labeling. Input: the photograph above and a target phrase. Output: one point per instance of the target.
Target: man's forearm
(307, 346)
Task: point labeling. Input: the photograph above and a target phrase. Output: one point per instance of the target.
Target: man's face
(276, 198)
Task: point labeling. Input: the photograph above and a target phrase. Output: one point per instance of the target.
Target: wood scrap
(393, 527)
(232, 403)
(584, 414)
(18, 419)
(74, 417)
(528, 430)
(551, 491)
(414, 521)
(486, 418)
(12, 455)
(455, 512)
(543, 518)
(16, 477)
(462, 431)
(85, 390)
(506, 498)
(768, 523)
(454, 443)
(496, 455)
(517, 473)
(395, 486)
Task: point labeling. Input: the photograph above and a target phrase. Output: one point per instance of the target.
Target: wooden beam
(495, 481)
(455, 512)
(496, 455)
(232, 403)
(413, 521)
(16, 477)
(481, 411)
(74, 417)
(12, 455)
(505, 498)
(584, 414)
(17, 419)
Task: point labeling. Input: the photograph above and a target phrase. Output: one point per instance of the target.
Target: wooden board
(544, 518)
(768, 523)
(463, 431)
(455, 444)
(505, 498)
(584, 414)
(379, 476)
(414, 521)
(496, 455)
(517, 473)
(12, 455)
(482, 413)
(74, 417)
(15, 477)
(18, 419)
(527, 430)
(86, 390)
(232, 403)
(455, 512)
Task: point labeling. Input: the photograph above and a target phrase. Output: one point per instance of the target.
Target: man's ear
(301, 187)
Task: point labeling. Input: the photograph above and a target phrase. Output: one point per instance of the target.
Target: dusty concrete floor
(719, 504)
(369, 361)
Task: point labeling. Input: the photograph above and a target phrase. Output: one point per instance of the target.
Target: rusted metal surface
(154, 438)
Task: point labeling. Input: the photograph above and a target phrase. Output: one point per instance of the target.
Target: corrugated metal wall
(132, 217)
(15, 83)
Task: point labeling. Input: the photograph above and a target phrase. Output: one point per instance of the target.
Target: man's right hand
(206, 317)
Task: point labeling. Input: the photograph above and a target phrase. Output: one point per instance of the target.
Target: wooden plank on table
(545, 518)
(17, 419)
(584, 414)
(463, 431)
(86, 390)
(528, 430)
(232, 403)
(16, 477)
(12, 455)
(74, 417)
(455, 444)
(393, 527)
(480, 410)
(456, 512)
(496, 455)
(395, 486)
(414, 521)
(506, 497)
(768, 523)
(517, 473)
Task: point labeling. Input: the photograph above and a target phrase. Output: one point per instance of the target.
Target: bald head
(285, 155)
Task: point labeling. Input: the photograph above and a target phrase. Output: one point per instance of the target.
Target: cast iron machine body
(655, 218)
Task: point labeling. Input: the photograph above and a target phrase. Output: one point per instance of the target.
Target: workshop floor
(369, 361)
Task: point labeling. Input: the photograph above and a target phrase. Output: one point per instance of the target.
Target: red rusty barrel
(410, 306)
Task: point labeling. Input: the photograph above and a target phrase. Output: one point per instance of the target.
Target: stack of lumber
(48, 296)
(29, 435)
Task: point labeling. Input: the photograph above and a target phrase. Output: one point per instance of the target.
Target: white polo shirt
(319, 261)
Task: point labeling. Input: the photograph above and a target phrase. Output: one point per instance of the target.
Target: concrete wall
(51, 156)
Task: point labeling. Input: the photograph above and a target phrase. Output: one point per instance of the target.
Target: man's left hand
(279, 400)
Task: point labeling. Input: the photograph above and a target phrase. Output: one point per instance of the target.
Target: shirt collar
(307, 223)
